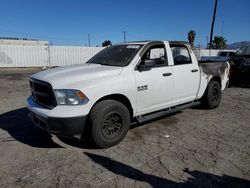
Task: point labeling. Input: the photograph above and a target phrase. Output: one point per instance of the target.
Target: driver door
(154, 80)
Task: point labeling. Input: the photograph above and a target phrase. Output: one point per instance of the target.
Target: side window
(180, 54)
(223, 54)
(155, 56)
(231, 54)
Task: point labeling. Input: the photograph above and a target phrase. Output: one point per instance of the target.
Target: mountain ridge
(237, 45)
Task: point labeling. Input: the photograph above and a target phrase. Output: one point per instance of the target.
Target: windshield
(118, 55)
(244, 50)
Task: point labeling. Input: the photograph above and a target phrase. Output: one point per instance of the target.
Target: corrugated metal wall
(23, 56)
(205, 52)
(68, 55)
(40, 56)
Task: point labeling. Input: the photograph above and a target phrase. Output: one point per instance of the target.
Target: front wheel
(110, 121)
(212, 96)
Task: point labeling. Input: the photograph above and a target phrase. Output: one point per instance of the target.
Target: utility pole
(89, 39)
(207, 42)
(222, 32)
(124, 36)
(212, 26)
(222, 29)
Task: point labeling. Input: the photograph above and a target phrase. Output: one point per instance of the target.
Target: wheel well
(121, 98)
(217, 79)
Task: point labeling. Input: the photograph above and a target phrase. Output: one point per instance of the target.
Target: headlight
(70, 97)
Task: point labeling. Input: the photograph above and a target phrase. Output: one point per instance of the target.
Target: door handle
(194, 70)
(167, 74)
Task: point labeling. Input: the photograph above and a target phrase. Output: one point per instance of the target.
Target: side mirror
(162, 59)
(146, 65)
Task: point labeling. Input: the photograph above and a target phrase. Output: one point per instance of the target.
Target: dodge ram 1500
(135, 81)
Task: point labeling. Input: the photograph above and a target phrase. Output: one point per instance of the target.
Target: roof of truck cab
(150, 41)
(134, 43)
(178, 42)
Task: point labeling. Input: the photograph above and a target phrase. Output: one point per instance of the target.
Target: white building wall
(46, 56)
(68, 55)
(41, 56)
(23, 56)
(205, 52)
(23, 42)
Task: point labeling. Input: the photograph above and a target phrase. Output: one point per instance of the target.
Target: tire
(212, 96)
(110, 122)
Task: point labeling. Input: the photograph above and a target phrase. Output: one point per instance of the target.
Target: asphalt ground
(192, 148)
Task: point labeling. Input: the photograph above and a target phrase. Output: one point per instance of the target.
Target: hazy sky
(70, 21)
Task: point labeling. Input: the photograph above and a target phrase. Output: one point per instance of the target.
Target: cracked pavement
(192, 148)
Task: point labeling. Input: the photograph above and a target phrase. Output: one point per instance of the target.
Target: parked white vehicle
(222, 56)
(126, 82)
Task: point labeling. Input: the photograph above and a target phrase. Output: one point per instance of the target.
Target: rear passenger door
(186, 74)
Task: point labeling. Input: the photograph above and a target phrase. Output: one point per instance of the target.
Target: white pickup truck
(135, 81)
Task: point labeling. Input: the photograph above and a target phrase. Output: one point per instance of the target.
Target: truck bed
(214, 68)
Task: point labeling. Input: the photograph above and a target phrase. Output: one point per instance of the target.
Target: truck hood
(69, 75)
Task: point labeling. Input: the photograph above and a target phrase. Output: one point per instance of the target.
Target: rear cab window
(231, 54)
(223, 54)
(181, 55)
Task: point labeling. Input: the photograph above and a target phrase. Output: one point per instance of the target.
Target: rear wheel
(110, 121)
(212, 96)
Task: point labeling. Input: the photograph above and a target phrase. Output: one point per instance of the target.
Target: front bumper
(66, 121)
(69, 127)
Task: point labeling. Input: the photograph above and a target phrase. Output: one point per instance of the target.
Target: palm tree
(106, 43)
(219, 42)
(191, 37)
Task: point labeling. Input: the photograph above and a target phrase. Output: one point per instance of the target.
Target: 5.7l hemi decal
(142, 88)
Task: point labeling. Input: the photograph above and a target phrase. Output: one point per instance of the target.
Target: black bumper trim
(68, 127)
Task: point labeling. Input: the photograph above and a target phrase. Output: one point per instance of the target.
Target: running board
(171, 110)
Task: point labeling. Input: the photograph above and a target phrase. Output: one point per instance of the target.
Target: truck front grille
(42, 93)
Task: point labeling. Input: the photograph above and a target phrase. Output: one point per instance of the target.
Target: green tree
(191, 37)
(106, 43)
(219, 42)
